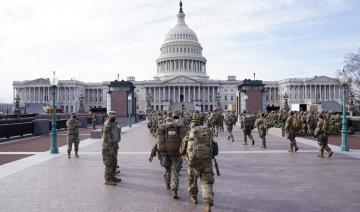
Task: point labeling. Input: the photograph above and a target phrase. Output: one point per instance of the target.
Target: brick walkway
(251, 179)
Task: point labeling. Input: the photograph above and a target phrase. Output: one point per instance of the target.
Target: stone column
(189, 97)
(208, 90)
(194, 93)
(199, 93)
(174, 98)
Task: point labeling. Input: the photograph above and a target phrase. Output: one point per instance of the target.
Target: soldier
(199, 149)
(291, 130)
(167, 148)
(230, 121)
(247, 125)
(73, 126)
(110, 137)
(261, 125)
(311, 122)
(321, 134)
(282, 120)
(337, 120)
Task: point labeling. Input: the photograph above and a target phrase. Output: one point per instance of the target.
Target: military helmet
(196, 117)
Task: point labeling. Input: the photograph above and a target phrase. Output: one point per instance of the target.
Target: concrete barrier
(41, 127)
(95, 134)
(84, 121)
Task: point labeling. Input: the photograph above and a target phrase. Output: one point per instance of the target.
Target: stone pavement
(251, 179)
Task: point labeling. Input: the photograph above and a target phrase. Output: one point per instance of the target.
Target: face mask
(74, 117)
(112, 119)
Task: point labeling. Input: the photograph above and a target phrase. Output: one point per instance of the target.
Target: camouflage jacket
(111, 135)
(73, 126)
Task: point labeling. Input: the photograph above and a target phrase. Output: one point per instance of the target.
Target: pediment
(180, 80)
(323, 79)
(39, 81)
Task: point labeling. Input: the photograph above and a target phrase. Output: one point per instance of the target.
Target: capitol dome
(181, 53)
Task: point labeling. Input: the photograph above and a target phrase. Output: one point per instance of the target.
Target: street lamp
(54, 148)
(344, 79)
(129, 107)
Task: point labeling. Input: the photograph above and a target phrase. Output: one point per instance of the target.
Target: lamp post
(129, 107)
(344, 82)
(344, 79)
(54, 148)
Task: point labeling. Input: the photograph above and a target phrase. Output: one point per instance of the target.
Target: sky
(94, 40)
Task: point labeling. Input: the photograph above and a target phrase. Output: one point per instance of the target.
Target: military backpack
(296, 124)
(200, 146)
(249, 121)
(168, 138)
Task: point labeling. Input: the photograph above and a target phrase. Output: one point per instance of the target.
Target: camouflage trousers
(171, 174)
(262, 135)
(292, 142)
(230, 129)
(247, 133)
(283, 131)
(207, 180)
(110, 162)
(73, 139)
(323, 142)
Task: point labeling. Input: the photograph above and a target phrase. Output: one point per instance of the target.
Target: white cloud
(98, 39)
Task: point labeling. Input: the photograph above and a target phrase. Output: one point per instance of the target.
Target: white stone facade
(181, 80)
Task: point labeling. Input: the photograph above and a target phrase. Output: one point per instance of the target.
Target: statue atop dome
(181, 10)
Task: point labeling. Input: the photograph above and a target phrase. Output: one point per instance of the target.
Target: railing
(16, 129)
(11, 117)
(60, 124)
(13, 121)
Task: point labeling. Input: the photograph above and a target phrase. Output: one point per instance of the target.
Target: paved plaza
(251, 179)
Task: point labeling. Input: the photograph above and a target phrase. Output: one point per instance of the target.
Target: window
(225, 98)
(225, 107)
(232, 98)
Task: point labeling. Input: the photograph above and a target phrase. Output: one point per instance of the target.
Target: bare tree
(352, 69)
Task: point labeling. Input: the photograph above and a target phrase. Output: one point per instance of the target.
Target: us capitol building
(180, 81)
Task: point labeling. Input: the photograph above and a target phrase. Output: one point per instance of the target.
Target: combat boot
(174, 194)
(321, 155)
(69, 156)
(110, 183)
(207, 207)
(76, 155)
(253, 142)
(296, 148)
(229, 137)
(193, 199)
(330, 154)
(116, 179)
(167, 186)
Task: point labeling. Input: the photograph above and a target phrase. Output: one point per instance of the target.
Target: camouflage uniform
(111, 137)
(204, 171)
(73, 126)
(230, 120)
(261, 125)
(282, 120)
(247, 127)
(291, 132)
(171, 162)
(311, 123)
(321, 133)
